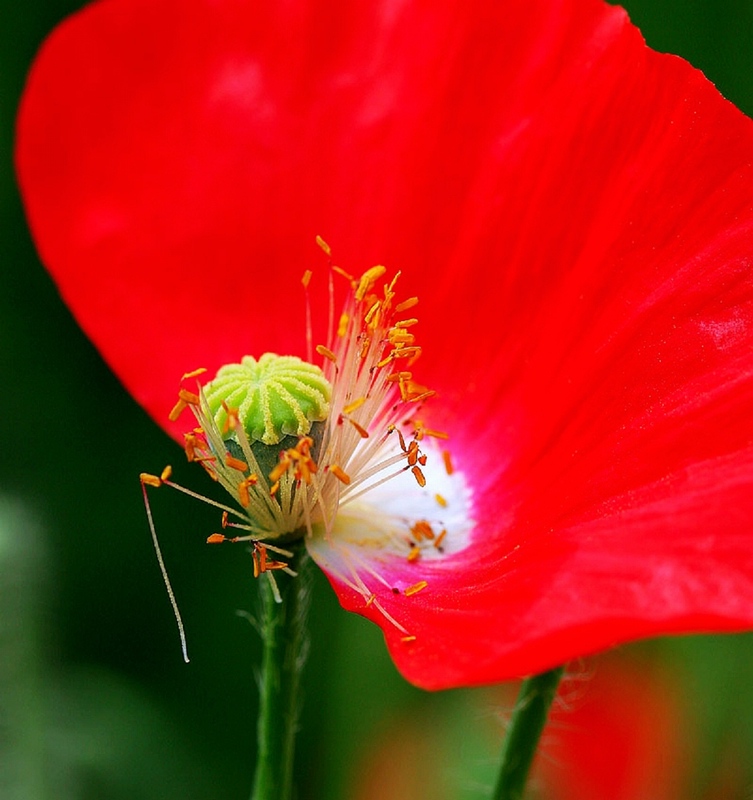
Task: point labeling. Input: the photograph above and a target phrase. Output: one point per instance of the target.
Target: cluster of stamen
(368, 361)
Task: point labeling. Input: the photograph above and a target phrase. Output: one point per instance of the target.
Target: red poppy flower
(573, 211)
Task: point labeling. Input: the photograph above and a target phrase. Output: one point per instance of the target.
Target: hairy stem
(285, 645)
(528, 720)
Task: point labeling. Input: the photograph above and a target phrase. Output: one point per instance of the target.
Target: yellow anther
(340, 474)
(150, 480)
(367, 281)
(416, 588)
(406, 323)
(306, 279)
(438, 541)
(414, 553)
(166, 473)
(371, 319)
(216, 538)
(351, 407)
(342, 325)
(371, 599)
(326, 352)
(408, 639)
(440, 500)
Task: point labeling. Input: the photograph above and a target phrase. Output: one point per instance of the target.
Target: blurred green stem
(528, 720)
(285, 643)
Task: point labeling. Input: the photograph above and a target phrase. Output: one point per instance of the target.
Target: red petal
(573, 209)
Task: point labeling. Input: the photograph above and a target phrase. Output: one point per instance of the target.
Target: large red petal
(573, 209)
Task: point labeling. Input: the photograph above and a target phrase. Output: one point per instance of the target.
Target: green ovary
(276, 396)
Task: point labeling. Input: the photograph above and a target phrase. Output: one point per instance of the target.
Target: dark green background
(95, 701)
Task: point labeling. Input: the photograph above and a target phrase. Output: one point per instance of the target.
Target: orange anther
(306, 279)
(372, 598)
(422, 530)
(243, 495)
(362, 432)
(224, 519)
(326, 352)
(406, 323)
(351, 407)
(274, 488)
(447, 462)
(166, 473)
(422, 459)
(235, 463)
(177, 410)
(281, 468)
(408, 639)
(216, 538)
(414, 554)
(325, 247)
(399, 376)
(438, 541)
(406, 304)
(256, 563)
(436, 434)
(340, 474)
(262, 558)
(188, 397)
(417, 587)
(194, 373)
(150, 480)
(419, 476)
(425, 396)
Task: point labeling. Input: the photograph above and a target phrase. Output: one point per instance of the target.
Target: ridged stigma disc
(275, 396)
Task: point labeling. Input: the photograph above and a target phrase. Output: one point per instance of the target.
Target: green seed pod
(276, 396)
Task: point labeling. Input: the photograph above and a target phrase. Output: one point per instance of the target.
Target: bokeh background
(95, 701)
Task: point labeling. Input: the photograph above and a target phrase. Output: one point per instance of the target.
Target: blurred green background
(95, 701)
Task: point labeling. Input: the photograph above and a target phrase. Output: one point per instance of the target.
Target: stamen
(216, 538)
(416, 588)
(447, 462)
(193, 374)
(441, 500)
(339, 474)
(161, 562)
(188, 397)
(235, 463)
(351, 407)
(177, 410)
(324, 246)
(419, 476)
(406, 304)
(326, 352)
(150, 480)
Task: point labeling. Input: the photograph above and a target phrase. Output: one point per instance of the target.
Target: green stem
(521, 741)
(285, 644)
